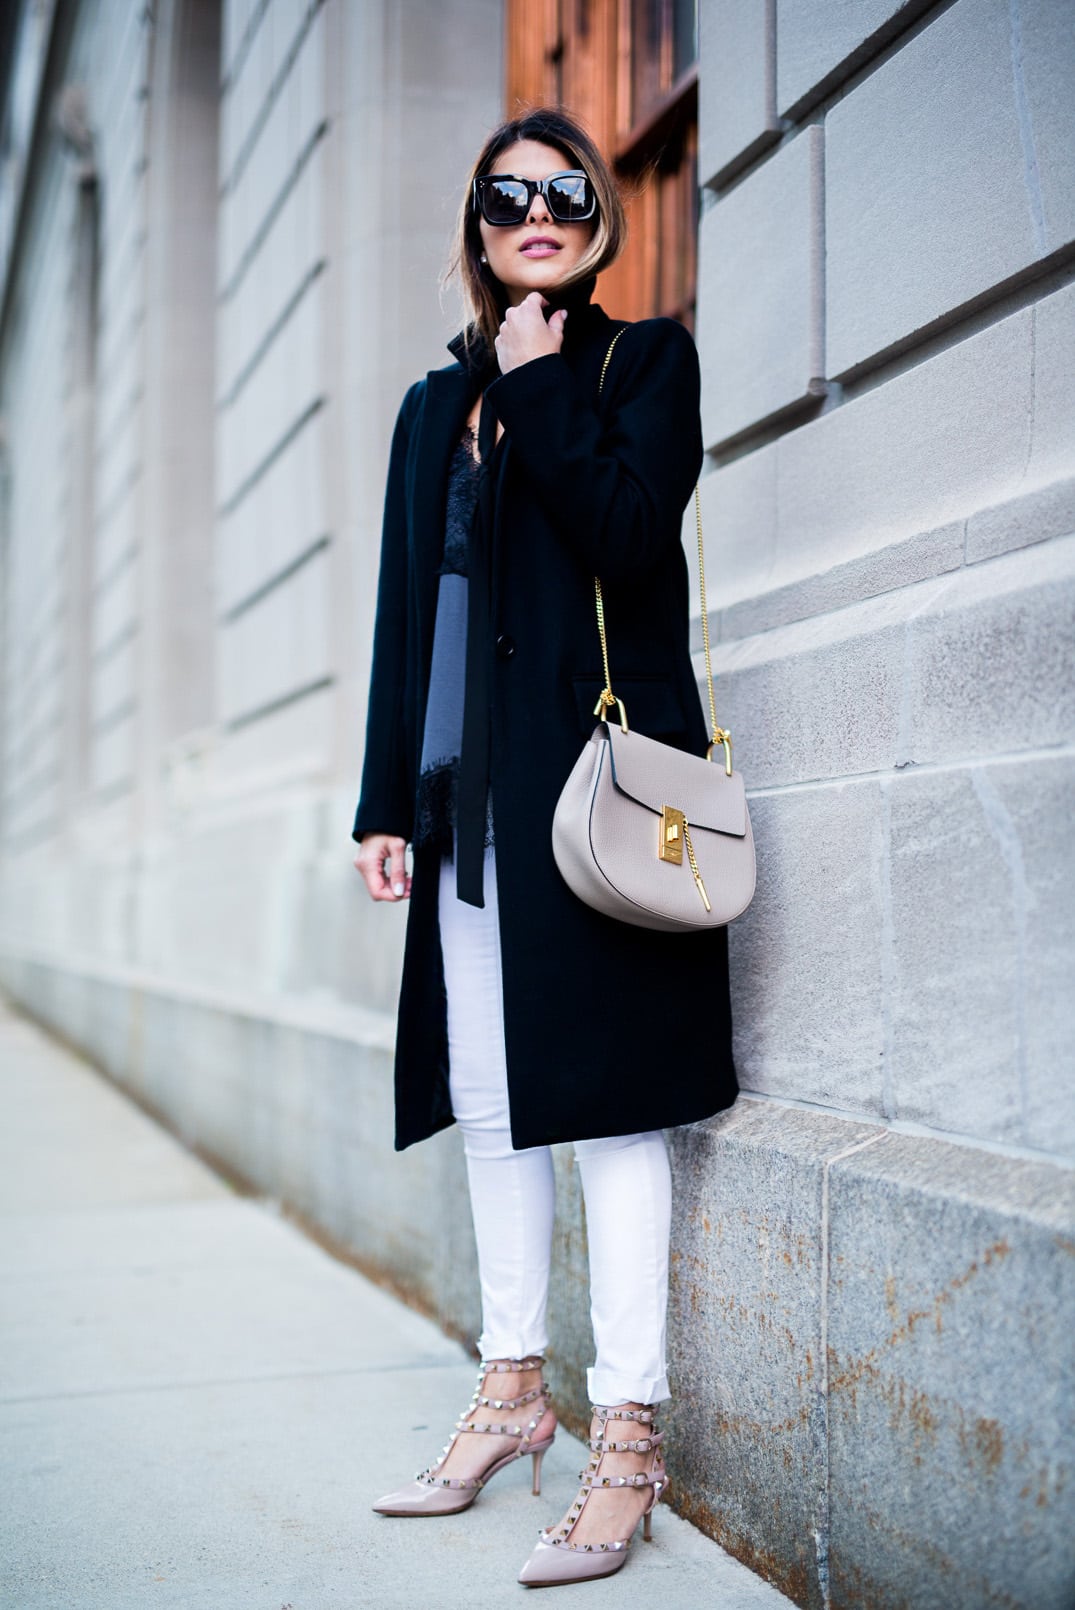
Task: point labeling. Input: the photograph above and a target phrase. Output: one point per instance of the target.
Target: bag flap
(654, 775)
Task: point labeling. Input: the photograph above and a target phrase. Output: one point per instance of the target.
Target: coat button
(505, 647)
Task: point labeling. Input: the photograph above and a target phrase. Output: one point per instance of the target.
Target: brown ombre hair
(483, 294)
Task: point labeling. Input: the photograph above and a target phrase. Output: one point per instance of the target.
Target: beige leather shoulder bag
(646, 833)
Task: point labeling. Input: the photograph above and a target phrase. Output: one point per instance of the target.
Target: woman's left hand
(525, 335)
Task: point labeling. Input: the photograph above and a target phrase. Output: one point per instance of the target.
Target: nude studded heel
(556, 1559)
(430, 1494)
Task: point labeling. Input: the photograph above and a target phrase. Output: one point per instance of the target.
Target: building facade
(222, 227)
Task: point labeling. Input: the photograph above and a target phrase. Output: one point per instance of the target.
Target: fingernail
(397, 889)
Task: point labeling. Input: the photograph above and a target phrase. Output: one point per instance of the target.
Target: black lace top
(443, 735)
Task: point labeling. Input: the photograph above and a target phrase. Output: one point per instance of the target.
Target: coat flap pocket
(652, 703)
(656, 776)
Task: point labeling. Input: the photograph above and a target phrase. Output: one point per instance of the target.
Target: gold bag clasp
(670, 844)
(723, 737)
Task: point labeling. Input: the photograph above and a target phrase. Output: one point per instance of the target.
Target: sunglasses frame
(534, 188)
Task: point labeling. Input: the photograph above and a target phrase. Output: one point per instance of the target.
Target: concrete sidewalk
(198, 1404)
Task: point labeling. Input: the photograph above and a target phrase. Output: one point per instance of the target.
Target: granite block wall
(892, 525)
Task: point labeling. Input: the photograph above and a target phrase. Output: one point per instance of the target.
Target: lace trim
(435, 816)
(464, 472)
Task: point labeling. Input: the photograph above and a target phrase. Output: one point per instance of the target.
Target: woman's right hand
(384, 882)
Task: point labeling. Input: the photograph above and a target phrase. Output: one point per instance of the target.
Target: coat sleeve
(614, 476)
(385, 804)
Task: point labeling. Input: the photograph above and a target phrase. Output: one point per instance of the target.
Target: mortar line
(823, 1530)
(919, 768)
(722, 620)
(889, 963)
(1031, 172)
(917, 1131)
(1003, 828)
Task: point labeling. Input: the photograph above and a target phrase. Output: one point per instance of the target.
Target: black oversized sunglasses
(504, 199)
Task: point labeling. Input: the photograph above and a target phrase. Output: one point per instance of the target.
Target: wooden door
(628, 69)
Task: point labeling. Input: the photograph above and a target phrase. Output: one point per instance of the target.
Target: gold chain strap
(607, 698)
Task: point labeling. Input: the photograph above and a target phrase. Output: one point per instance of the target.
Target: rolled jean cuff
(608, 1389)
(505, 1346)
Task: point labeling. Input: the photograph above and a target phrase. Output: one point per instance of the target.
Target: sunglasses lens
(570, 198)
(504, 201)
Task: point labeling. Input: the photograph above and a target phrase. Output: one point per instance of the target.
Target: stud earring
(484, 258)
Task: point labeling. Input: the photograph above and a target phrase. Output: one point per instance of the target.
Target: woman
(516, 475)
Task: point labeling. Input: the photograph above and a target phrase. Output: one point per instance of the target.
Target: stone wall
(190, 509)
(875, 1271)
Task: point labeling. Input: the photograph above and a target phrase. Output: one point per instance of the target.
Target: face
(538, 254)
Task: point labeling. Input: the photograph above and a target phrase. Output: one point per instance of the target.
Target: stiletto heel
(556, 1559)
(538, 1456)
(432, 1494)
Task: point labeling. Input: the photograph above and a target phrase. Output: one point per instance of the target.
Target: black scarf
(475, 753)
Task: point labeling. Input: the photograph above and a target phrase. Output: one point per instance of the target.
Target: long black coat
(609, 1029)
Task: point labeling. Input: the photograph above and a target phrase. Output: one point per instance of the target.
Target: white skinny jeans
(625, 1180)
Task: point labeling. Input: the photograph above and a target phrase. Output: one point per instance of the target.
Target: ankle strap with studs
(638, 1445)
(644, 1416)
(640, 1478)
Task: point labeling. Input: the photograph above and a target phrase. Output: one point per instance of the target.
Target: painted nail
(397, 889)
